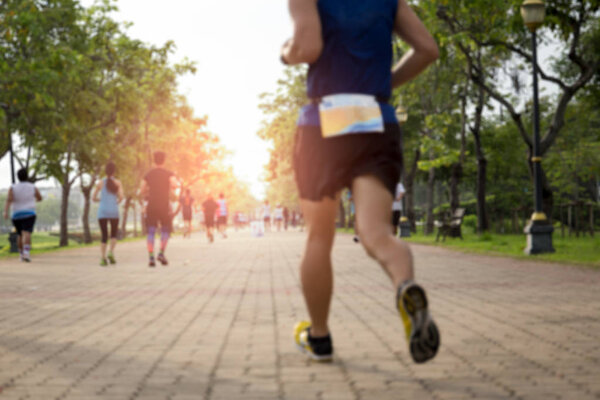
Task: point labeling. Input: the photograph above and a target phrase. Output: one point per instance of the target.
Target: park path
(216, 325)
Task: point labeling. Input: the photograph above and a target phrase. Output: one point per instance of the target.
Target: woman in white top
(278, 215)
(23, 196)
(267, 216)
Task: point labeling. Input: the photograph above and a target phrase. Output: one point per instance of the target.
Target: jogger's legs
(164, 238)
(373, 215)
(114, 230)
(150, 239)
(104, 236)
(316, 271)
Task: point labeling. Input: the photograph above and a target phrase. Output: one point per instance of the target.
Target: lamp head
(401, 114)
(533, 13)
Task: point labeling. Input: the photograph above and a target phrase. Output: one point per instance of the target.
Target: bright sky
(235, 45)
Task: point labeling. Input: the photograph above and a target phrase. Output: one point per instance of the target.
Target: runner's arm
(176, 210)
(38, 195)
(9, 200)
(97, 189)
(306, 44)
(120, 195)
(174, 184)
(143, 192)
(424, 50)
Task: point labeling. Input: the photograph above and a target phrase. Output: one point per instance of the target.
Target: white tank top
(23, 197)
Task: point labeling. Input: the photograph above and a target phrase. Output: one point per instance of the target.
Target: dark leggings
(114, 227)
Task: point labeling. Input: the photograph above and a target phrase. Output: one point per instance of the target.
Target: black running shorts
(24, 224)
(323, 167)
(162, 217)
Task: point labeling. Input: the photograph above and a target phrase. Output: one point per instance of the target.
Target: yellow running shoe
(421, 332)
(318, 349)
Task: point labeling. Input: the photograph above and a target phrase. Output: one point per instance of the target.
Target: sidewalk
(217, 324)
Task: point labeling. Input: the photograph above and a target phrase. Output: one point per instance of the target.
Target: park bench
(451, 226)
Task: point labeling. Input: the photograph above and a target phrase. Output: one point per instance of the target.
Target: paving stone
(216, 324)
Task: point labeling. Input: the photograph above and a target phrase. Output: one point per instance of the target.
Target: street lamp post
(539, 230)
(402, 117)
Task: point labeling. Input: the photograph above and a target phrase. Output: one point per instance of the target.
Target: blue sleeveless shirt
(109, 204)
(357, 53)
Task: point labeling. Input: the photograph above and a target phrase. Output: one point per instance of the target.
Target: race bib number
(344, 114)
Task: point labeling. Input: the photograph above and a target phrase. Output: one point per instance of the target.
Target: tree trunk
(456, 173)
(342, 214)
(457, 168)
(409, 180)
(482, 219)
(430, 190)
(64, 212)
(135, 220)
(86, 190)
(125, 216)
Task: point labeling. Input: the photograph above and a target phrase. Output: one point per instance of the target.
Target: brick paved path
(217, 323)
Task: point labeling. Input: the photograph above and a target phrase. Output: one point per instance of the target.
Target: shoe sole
(313, 356)
(424, 339)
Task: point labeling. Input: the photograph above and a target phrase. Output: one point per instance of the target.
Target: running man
(348, 46)
(286, 217)
(209, 207)
(222, 215)
(158, 187)
(266, 216)
(109, 193)
(186, 202)
(22, 196)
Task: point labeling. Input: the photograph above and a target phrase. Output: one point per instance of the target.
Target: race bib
(343, 114)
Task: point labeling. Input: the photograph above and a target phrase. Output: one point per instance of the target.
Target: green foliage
(573, 165)
(79, 92)
(470, 222)
(281, 110)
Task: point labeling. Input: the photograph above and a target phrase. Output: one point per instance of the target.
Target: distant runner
(397, 207)
(286, 217)
(209, 207)
(278, 217)
(22, 196)
(109, 193)
(222, 215)
(186, 201)
(158, 186)
(266, 215)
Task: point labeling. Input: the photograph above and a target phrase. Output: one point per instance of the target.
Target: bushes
(470, 221)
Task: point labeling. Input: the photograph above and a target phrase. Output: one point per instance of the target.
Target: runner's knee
(373, 239)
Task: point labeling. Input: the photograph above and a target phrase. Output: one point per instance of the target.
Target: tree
(494, 29)
(282, 109)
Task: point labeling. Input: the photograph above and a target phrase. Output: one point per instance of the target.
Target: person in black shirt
(157, 187)
(209, 207)
(186, 201)
(286, 217)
